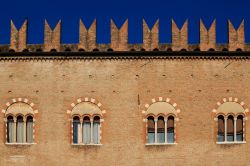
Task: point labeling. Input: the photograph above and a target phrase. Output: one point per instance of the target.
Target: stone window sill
(22, 144)
(86, 144)
(230, 143)
(160, 144)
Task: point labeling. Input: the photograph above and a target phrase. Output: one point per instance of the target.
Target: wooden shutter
(160, 125)
(151, 125)
(239, 125)
(221, 126)
(230, 126)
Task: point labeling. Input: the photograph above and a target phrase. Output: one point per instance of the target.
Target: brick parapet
(119, 39)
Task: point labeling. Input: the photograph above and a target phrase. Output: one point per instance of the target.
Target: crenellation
(18, 39)
(236, 37)
(150, 36)
(179, 37)
(119, 39)
(87, 37)
(52, 38)
(207, 36)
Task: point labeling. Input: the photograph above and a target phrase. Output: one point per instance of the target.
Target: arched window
(20, 129)
(170, 129)
(29, 129)
(230, 121)
(230, 128)
(96, 130)
(239, 128)
(10, 129)
(86, 130)
(86, 126)
(20, 122)
(151, 129)
(221, 129)
(160, 130)
(161, 117)
(76, 128)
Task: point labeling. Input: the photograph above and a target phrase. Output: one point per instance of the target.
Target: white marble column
(235, 127)
(156, 130)
(14, 131)
(225, 120)
(166, 130)
(91, 131)
(80, 133)
(24, 130)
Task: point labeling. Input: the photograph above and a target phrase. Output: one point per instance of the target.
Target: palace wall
(124, 86)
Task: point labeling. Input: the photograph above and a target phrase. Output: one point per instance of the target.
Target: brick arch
(150, 110)
(234, 107)
(86, 100)
(21, 101)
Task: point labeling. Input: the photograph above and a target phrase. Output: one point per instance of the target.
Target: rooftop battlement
(119, 39)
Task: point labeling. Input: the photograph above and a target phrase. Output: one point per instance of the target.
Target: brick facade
(124, 87)
(124, 82)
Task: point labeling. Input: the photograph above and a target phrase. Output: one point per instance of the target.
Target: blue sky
(135, 10)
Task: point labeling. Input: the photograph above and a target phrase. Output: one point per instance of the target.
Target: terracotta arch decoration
(231, 106)
(165, 105)
(79, 107)
(27, 107)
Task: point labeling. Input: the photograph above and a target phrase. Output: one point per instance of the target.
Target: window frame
(91, 116)
(173, 112)
(27, 111)
(222, 112)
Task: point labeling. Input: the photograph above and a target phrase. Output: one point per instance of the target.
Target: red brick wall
(195, 85)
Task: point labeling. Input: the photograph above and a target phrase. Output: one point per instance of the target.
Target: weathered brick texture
(124, 86)
(236, 37)
(87, 37)
(52, 38)
(150, 36)
(179, 36)
(207, 36)
(18, 38)
(119, 37)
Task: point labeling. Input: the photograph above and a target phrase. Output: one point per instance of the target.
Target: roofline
(127, 55)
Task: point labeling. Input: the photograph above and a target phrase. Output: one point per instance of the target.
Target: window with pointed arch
(161, 118)
(230, 117)
(87, 117)
(20, 118)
